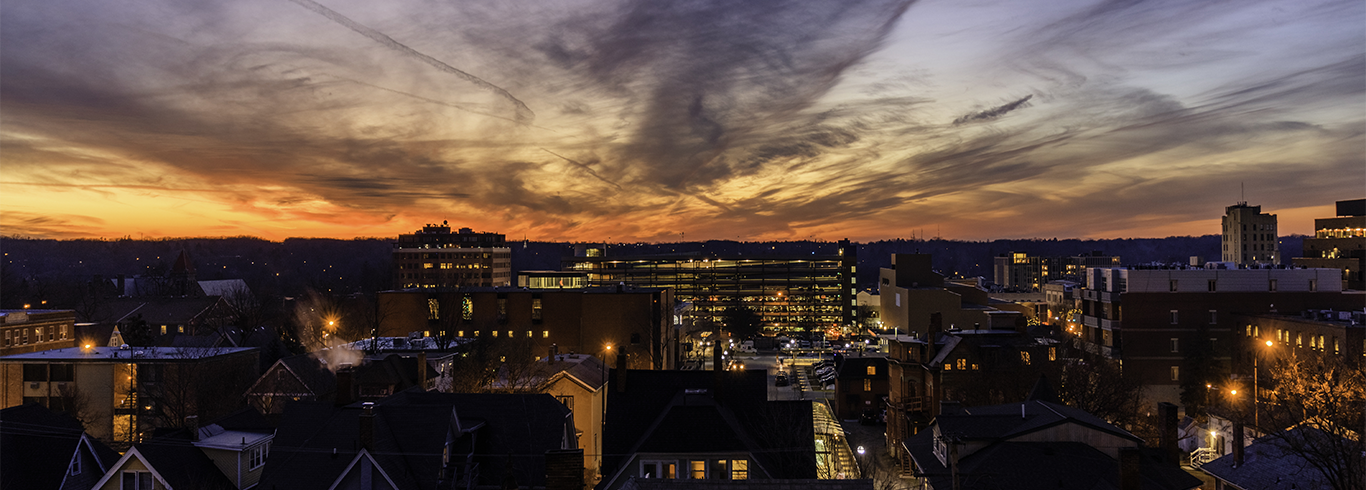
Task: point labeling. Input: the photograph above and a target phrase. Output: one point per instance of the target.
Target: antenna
(1242, 193)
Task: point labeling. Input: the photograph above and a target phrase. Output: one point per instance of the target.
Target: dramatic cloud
(641, 120)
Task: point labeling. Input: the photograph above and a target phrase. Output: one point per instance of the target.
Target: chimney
(1130, 468)
(1166, 423)
(1238, 448)
(564, 469)
(192, 425)
(367, 425)
(422, 371)
(936, 326)
(554, 351)
(716, 350)
(621, 372)
(344, 394)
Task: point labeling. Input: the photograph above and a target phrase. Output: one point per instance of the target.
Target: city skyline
(635, 121)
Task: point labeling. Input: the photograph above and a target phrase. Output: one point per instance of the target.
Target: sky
(653, 121)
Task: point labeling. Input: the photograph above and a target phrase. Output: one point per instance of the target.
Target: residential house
(230, 455)
(579, 381)
(295, 378)
(1036, 445)
(126, 392)
(1272, 463)
(424, 440)
(40, 448)
(713, 425)
(861, 387)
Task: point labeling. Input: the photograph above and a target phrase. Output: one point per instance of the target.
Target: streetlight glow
(1268, 343)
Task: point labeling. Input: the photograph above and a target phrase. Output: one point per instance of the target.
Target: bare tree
(1327, 397)
(1099, 387)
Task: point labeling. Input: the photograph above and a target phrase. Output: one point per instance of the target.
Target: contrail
(434, 101)
(524, 114)
(584, 167)
(992, 113)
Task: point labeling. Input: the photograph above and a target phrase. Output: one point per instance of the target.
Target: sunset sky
(667, 121)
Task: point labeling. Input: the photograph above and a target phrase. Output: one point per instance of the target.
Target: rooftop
(105, 354)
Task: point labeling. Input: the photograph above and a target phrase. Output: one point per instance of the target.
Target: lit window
(1024, 357)
(739, 469)
(1052, 353)
(495, 333)
(545, 334)
(867, 385)
(698, 470)
(163, 330)
(181, 329)
(872, 370)
(528, 334)
(1176, 373)
(948, 366)
(433, 309)
(476, 333)
(962, 364)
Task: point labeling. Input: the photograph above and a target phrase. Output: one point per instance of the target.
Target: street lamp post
(1256, 388)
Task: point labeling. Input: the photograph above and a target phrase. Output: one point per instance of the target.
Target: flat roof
(108, 354)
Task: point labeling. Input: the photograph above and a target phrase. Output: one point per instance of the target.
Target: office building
(435, 257)
(1017, 271)
(789, 293)
(1250, 236)
(35, 330)
(1340, 243)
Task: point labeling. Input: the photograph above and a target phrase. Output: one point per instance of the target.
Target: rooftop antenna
(1242, 193)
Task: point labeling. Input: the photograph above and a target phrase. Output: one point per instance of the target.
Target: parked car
(781, 380)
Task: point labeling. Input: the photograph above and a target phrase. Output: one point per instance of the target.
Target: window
(545, 334)
(7, 338)
(163, 330)
(467, 309)
(962, 364)
(503, 310)
(433, 309)
(658, 469)
(872, 370)
(75, 463)
(1176, 345)
(1052, 353)
(1176, 373)
(1337, 346)
(136, 480)
(509, 334)
(25, 335)
(1299, 340)
(35, 372)
(476, 333)
(259, 455)
(495, 333)
(868, 384)
(38, 334)
(1213, 317)
(948, 366)
(1313, 285)
(1024, 357)
(1213, 285)
(1174, 317)
(535, 309)
(1271, 286)
(1172, 285)
(698, 469)
(718, 469)
(566, 400)
(63, 372)
(460, 333)
(739, 469)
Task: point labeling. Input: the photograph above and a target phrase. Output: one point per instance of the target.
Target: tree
(1327, 395)
(742, 322)
(1100, 387)
(498, 365)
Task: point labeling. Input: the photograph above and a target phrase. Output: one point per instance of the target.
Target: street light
(1256, 388)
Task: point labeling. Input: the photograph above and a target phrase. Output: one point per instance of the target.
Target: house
(308, 377)
(52, 450)
(860, 386)
(231, 454)
(127, 392)
(579, 381)
(713, 425)
(1036, 445)
(423, 440)
(1269, 463)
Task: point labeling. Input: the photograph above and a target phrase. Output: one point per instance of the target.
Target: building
(36, 330)
(124, 393)
(427, 440)
(1036, 445)
(861, 388)
(1062, 301)
(1250, 236)
(634, 320)
(789, 293)
(435, 257)
(911, 292)
(1152, 318)
(1272, 463)
(579, 382)
(1017, 271)
(229, 454)
(705, 425)
(40, 448)
(1340, 243)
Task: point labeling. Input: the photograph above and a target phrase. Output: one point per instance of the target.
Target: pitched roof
(1015, 419)
(181, 465)
(42, 442)
(587, 369)
(317, 441)
(812, 484)
(1269, 465)
(311, 372)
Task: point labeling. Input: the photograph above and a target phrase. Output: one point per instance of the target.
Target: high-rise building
(1250, 236)
(435, 257)
(1340, 243)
